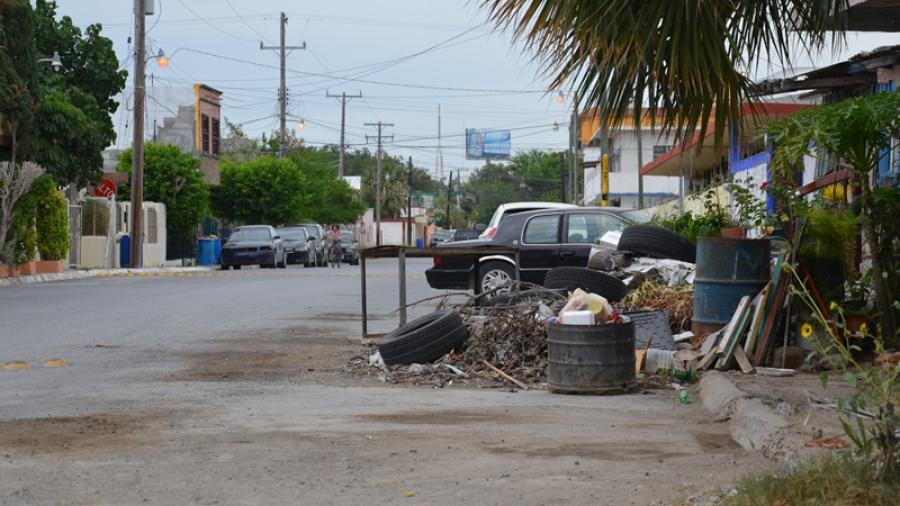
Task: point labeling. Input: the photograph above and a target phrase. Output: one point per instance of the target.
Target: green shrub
(52, 221)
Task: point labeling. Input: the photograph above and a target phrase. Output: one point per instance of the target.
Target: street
(226, 388)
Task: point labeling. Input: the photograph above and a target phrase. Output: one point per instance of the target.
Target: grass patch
(826, 481)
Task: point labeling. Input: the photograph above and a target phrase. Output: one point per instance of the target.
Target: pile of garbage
(678, 303)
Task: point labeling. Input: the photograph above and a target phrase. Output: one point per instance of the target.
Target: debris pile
(678, 303)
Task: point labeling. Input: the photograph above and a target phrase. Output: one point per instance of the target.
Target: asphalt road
(230, 388)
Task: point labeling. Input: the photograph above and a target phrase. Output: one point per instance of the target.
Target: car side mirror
(480, 227)
(276, 237)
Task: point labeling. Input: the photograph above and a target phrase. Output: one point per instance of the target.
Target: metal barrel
(727, 270)
(591, 359)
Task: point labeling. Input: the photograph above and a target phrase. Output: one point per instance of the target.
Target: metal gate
(74, 235)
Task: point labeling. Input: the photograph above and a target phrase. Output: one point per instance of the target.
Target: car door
(539, 246)
(582, 231)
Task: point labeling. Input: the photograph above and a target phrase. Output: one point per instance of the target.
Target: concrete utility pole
(640, 161)
(380, 126)
(282, 90)
(409, 191)
(439, 157)
(449, 191)
(137, 160)
(573, 183)
(344, 99)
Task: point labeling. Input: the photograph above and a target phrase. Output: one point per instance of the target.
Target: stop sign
(106, 188)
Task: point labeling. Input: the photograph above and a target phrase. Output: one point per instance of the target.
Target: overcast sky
(479, 77)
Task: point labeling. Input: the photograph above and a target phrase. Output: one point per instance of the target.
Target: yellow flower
(806, 330)
(833, 306)
(863, 328)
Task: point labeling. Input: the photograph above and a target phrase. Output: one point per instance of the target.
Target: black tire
(488, 268)
(570, 278)
(657, 242)
(236, 267)
(424, 339)
(513, 298)
(223, 267)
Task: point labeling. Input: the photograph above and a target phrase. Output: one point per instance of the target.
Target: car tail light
(490, 233)
(437, 261)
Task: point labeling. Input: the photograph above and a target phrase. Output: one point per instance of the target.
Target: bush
(52, 222)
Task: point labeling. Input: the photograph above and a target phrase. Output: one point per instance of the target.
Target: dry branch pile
(678, 303)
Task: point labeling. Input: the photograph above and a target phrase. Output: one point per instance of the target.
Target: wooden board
(762, 346)
(708, 360)
(709, 342)
(743, 361)
(756, 322)
(732, 340)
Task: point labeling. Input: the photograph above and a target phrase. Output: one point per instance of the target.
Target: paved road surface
(226, 388)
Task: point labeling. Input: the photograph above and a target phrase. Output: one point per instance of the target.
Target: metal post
(409, 191)
(401, 257)
(362, 282)
(137, 163)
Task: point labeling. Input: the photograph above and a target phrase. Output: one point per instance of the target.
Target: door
(583, 230)
(539, 251)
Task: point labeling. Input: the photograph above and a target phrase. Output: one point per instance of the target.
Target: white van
(504, 210)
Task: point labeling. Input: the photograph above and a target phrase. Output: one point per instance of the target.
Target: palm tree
(687, 59)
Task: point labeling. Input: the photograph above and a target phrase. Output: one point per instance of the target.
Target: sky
(406, 57)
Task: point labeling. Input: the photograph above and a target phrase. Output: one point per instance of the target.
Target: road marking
(56, 362)
(16, 365)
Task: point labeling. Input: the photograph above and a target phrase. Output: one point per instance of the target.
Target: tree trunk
(882, 295)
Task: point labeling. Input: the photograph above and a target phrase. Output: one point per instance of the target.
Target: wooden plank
(505, 376)
(707, 360)
(756, 322)
(743, 313)
(771, 317)
(735, 320)
(709, 342)
(743, 361)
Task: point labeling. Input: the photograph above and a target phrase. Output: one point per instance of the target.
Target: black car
(253, 245)
(545, 239)
(296, 245)
(464, 234)
(440, 237)
(349, 248)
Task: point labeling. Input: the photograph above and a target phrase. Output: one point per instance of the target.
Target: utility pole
(409, 190)
(439, 158)
(380, 126)
(344, 99)
(449, 191)
(562, 177)
(640, 161)
(574, 175)
(137, 161)
(282, 91)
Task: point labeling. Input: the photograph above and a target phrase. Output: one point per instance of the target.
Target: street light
(560, 98)
(162, 61)
(301, 125)
(55, 61)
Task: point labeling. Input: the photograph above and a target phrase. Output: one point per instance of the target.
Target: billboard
(487, 144)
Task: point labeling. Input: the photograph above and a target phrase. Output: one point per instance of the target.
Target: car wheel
(570, 278)
(494, 274)
(236, 267)
(657, 242)
(424, 339)
(223, 267)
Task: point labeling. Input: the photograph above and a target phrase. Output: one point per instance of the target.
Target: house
(622, 148)
(197, 129)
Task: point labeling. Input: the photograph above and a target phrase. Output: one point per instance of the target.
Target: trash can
(591, 359)
(206, 251)
(217, 246)
(420, 243)
(125, 251)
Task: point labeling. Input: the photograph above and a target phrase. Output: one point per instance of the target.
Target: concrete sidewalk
(97, 273)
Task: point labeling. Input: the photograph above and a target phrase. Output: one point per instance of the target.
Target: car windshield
(443, 234)
(346, 237)
(312, 230)
(250, 234)
(293, 234)
(636, 216)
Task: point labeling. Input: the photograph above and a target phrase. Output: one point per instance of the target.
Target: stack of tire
(423, 340)
(638, 240)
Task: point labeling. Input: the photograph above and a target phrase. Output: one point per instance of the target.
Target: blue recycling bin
(125, 251)
(217, 246)
(420, 243)
(206, 251)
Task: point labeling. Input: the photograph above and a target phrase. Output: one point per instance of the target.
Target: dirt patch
(600, 451)
(442, 418)
(294, 354)
(712, 442)
(95, 432)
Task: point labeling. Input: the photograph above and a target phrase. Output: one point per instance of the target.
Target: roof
(874, 16)
(856, 71)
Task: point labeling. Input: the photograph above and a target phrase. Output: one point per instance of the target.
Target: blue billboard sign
(487, 144)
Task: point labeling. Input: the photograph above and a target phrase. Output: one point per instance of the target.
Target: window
(151, 226)
(215, 136)
(588, 228)
(204, 134)
(660, 150)
(94, 218)
(542, 230)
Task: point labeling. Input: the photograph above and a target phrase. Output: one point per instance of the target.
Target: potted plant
(51, 224)
(824, 250)
(856, 302)
(751, 210)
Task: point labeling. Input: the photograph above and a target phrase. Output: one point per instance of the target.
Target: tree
(686, 59)
(330, 200)
(265, 190)
(18, 72)
(172, 178)
(15, 181)
(856, 131)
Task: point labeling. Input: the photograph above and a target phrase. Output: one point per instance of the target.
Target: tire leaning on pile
(657, 242)
(424, 339)
(570, 278)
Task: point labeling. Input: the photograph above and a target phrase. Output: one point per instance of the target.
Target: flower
(806, 330)
(763, 185)
(833, 306)
(863, 328)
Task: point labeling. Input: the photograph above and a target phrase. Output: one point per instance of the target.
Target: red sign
(106, 188)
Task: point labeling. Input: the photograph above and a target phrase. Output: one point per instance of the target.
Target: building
(197, 129)
(622, 149)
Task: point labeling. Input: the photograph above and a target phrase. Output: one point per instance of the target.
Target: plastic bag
(581, 300)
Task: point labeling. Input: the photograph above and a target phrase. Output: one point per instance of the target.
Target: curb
(96, 273)
(753, 425)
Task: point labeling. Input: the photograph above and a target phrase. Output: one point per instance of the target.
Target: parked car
(544, 239)
(317, 233)
(254, 245)
(510, 208)
(349, 247)
(296, 246)
(440, 237)
(464, 234)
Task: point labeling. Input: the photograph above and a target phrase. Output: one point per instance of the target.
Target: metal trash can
(206, 251)
(591, 359)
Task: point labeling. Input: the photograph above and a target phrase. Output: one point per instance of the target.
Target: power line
(238, 14)
(214, 27)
